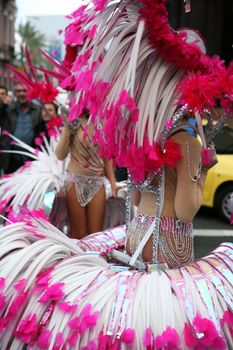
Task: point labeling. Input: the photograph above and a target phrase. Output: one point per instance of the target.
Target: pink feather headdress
(43, 90)
(132, 71)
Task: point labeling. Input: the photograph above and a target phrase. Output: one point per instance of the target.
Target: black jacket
(5, 142)
(8, 120)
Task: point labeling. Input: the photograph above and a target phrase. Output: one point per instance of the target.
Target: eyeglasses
(22, 90)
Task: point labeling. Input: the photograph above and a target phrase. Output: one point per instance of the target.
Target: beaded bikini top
(86, 152)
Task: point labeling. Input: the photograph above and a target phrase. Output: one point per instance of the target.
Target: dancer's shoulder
(183, 138)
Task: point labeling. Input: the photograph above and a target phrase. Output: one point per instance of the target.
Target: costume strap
(200, 130)
(143, 243)
(154, 227)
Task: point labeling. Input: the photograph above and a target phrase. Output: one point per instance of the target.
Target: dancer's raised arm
(63, 147)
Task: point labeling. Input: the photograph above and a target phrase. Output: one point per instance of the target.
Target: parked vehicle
(218, 191)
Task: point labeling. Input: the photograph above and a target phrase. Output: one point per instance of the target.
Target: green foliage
(33, 39)
(31, 36)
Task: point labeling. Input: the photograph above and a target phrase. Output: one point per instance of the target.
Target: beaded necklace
(196, 177)
(89, 160)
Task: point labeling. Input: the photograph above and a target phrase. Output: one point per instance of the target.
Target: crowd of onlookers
(23, 119)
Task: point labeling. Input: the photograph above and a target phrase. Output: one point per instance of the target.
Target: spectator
(50, 110)
(5, 100)
(3, 93)
(52, 121)
(25, 123)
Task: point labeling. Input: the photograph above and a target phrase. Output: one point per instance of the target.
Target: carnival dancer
(80, 217)
(35, 189)
(39, 182)
(140, 81)
(84, 181)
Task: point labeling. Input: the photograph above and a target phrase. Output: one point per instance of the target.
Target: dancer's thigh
(76, 214)
(95, 211)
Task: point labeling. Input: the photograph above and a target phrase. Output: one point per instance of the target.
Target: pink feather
(128, 336)
(27, 329)
(54, 292)
(148, 337)
(67, 307)
(2, 282)
(206, 156)
(210, 339)
(72, 339)
(43, 341)
(2, 301)
(103, 341)
(74, 323)
(20, 285)
(59, 339)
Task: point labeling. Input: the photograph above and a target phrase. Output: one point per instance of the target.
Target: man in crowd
(5, 100)
(25, 122)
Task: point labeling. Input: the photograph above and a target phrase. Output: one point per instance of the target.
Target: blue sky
(45, 7)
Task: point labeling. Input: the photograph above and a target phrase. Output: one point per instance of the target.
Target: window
(224, 141)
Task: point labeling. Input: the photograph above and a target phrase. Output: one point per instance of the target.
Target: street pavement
(210, 231)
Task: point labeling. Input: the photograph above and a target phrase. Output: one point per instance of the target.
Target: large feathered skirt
(57, 293)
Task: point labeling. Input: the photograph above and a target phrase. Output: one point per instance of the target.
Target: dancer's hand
(67, 131)
(109, 172)
(209, 157)
(114, 190)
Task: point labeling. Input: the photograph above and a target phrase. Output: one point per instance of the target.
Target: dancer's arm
(190, 183)
(109, 171)
(63, 146)
(136, 196)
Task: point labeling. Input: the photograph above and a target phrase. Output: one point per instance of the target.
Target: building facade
(7, 38)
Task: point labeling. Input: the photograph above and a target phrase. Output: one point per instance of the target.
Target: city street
(210, 231)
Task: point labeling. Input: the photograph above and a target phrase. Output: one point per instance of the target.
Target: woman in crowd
(50, 110)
